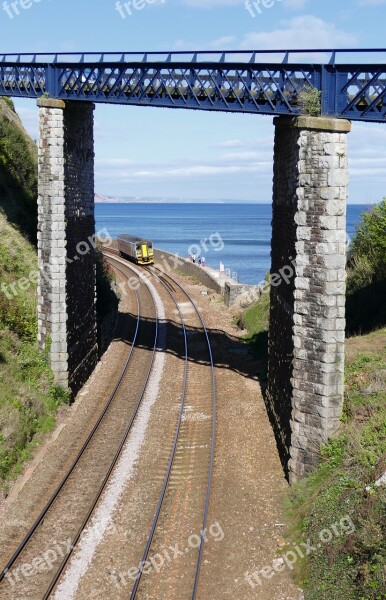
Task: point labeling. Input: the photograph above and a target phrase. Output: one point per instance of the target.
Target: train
(136, 249)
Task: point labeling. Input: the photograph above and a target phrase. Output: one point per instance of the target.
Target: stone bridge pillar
(307, 319)
(66, 303)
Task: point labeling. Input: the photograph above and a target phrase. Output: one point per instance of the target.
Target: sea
(236, 235)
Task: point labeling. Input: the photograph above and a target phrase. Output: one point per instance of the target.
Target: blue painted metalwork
(260, 82)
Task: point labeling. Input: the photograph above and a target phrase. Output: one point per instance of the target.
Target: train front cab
(145, 253)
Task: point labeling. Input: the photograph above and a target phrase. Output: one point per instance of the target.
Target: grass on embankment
(28, 397)
(255, 320)
(351, 566)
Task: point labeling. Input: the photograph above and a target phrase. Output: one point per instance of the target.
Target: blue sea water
(243, 243)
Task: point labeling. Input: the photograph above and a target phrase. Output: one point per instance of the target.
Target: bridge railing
(315, 56)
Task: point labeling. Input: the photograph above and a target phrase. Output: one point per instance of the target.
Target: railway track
(180, 518)
(204, 438)
(58, 527)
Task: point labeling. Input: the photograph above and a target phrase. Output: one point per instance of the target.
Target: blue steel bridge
(352, 83)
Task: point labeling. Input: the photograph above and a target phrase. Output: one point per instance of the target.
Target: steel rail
(115, 459)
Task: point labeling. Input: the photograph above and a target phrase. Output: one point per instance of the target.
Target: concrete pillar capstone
(308, 271)
(66, 289)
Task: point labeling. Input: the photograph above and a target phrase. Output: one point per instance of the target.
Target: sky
(182, 154)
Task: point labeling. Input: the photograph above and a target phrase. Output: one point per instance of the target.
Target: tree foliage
(368, 249)
(366, 277)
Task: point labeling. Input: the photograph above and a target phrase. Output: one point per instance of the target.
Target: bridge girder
(235, 82)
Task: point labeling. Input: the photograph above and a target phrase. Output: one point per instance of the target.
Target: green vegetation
(18, 172)
(255, 320)
(29, 397)
(366, 281)
(309, 101)
(8, 102)
(352, 565)
(369, 247)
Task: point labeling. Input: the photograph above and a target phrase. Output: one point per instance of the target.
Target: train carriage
(138, 250)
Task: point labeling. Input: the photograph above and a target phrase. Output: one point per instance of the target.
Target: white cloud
(243, 156)
(161, 173)
(367, 151)
(193, 171)
(230, 144)
(305, 31)
(231, 163)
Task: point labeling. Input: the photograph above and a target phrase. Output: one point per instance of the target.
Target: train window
(150, 245)
(138, 247)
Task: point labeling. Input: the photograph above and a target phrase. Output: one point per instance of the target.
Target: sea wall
(187, 268)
